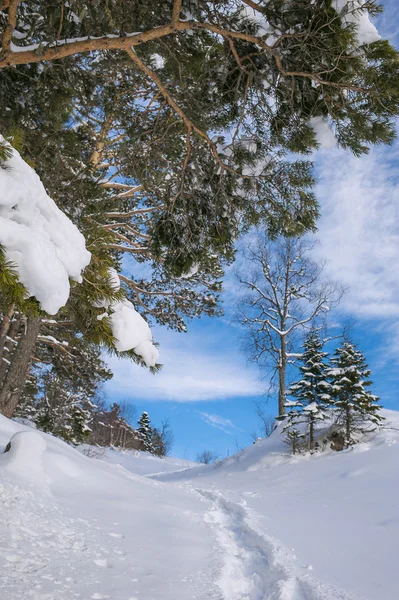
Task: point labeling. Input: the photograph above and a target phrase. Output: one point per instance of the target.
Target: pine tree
(87, 100)
(357, 409)
(145, 432)
(311, 392)
(60, 392)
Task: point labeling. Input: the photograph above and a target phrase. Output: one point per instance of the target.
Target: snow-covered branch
(42, 244)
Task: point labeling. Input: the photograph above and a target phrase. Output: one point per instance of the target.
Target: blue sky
(207, 389)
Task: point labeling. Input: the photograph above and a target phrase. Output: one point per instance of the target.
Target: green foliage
(310, 392)
(205, 178)
(5, 154)
(12, 292)
(357, 409)
(146, 434)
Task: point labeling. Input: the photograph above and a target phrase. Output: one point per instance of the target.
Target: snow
(158, 61)
(129, 328)
(44, 246)
(337, 511)
(24, 458)
(144, 463)
(324, 135)
(132, 331)
(366, 32)
(191, 272)
(259, 525)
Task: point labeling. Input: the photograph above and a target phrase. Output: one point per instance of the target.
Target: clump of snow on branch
(366, 32)
(130, 330)
(38, 238)
(191, 272)
(324, 134)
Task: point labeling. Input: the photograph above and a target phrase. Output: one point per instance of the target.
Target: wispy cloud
(219, 422)
(359, 232)
(196, 368)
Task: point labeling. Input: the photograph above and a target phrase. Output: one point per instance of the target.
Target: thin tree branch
(10, 27)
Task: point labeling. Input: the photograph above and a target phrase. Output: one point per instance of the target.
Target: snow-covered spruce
(39, 240)
(357, 410)
(145, 432)
(311, 394)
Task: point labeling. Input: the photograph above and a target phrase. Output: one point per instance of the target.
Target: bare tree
(285, 294)
(128, 412)
(265, 419)
(167, 436)
(206, 457)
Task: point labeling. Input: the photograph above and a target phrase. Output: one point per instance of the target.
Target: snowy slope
(144, 463)
(339, 512)
(96, 531)
(259, 526)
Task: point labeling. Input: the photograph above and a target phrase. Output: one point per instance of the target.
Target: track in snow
(256, 567)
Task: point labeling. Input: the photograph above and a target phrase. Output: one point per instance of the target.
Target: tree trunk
(311, 433)
(281, 379)
(5, 326)
(14, 381)
(9, 347)
(348, 425)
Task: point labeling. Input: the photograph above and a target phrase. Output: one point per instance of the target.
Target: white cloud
(195, 368)
(219, 422)
(359, 230)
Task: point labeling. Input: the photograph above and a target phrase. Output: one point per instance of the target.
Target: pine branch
(10, 27)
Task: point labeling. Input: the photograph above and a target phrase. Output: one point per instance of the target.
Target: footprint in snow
(116, 535)
(98, 596)
(102, 562)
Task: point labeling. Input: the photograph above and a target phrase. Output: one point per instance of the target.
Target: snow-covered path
(72, 527)
(256, 567)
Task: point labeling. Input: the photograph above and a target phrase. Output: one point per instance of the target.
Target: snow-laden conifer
(145, 432)
(357, 409)
(311, 392)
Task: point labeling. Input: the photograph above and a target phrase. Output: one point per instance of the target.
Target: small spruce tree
(311, 392)
(294, 438)
(145, 432)
(357, 409)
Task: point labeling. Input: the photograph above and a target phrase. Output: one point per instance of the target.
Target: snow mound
(24, 459)
(103, 533)
(39, 240)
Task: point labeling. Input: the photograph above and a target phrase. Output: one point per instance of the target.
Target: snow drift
(260, 524)
(39, 239)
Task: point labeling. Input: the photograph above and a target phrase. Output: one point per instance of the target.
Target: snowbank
(261, 524)
(337, 511)
(104, 533)
(38, 238)
(24, 459)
